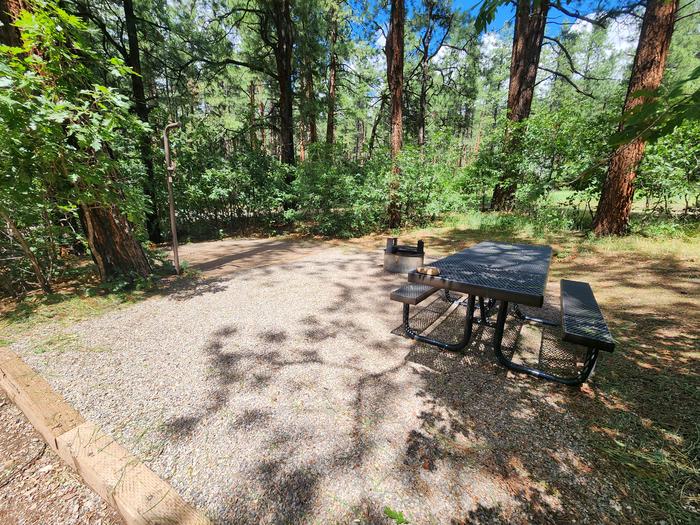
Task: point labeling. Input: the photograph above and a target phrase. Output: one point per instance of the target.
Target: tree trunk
(332, 79)
(302, 142)
(133, 60)
(311, 105)
(394, 60)
(263, 144)
(283, 45)
(612, 215)
(252, 108)
(375, 125)
(9, 11)
(114, 248)
(530, 23)
(425, 74)
(360, 139)
(36, 266)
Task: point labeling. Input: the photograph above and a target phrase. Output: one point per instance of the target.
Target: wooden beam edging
(119, 477)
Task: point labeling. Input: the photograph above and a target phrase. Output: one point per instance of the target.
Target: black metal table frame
(486, 307)
(499, 328)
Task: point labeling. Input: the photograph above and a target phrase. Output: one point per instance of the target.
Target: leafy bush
(670, 172)
(233, 192)
(67, 141)
(337, 197)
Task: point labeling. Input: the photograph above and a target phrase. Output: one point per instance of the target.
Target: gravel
(279, 394)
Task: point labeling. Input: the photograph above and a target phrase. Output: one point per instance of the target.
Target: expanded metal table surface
(507, 272)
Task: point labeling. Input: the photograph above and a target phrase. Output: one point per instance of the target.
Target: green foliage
(671, 169)
(663, 110)
(70, 137)
(337, 197)
(678, 99)
(396, 516)
(235, 192)
(430, 181)
(67, 141)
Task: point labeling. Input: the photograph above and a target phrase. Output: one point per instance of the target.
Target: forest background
(334, 118)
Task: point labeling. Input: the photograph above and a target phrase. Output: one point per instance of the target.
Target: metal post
(170, 167)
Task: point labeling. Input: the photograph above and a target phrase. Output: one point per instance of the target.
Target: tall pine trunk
(612, 215)
(283, 45)
(311, 104)
(332, 79)
(530, 23)
(359, 139)
(375, 125)
(394, 60)
(424, 74)
(134, 62)
(252, 109)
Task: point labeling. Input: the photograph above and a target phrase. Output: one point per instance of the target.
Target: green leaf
(397, 516)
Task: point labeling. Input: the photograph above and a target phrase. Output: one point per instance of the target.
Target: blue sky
(555, 18)
(503, 15)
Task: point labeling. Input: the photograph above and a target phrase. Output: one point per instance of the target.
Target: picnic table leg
(523, 317)
(455, 347)
(580, 377)
(484, 307)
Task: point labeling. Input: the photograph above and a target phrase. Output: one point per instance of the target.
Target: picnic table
(504, 276)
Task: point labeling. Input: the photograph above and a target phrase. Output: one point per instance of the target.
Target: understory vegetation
(87, 88)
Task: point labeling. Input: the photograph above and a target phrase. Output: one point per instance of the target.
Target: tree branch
(570, 60)
(687, 16)
(567, 79)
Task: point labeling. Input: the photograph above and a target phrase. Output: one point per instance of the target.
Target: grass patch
(642, 422)
(62, 342)
(60, 310)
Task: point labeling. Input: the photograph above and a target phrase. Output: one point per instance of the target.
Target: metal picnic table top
(503, 271)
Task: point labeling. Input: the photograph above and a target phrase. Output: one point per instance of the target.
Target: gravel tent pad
(279, 394)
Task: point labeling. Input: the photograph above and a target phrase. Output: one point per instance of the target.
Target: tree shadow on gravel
(613, 450)
(550, 453)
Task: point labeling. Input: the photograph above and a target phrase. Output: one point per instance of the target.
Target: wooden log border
(135, 491)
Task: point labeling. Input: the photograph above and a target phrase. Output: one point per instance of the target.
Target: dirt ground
(36, 488)
(228, 256)
(320, 414)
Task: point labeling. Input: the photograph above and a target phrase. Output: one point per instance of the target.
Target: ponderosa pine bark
(612, 215)
(332, 79)
(311, 104)
(375, 125)
(394, 61)
(282, 45)
(112, 242)
(9, 11)
(530, 23)
(252, 109)
(133, 60)
(359, 139)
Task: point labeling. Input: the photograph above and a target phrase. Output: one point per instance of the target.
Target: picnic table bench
(505, 276)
